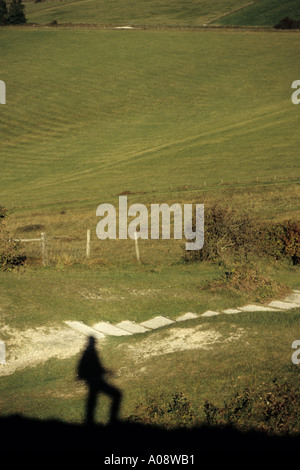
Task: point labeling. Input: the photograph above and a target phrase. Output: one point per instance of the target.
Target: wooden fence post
(136, 247)
(88, 243)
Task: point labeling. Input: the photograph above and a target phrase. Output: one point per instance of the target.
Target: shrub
(3, 12)
(247, 278)
(227, 233)
(10, 251)
(274, 409)
(230, 235)
(171, 412)
(282, 240)
(288, 23)
(10, 255)
(16, 13)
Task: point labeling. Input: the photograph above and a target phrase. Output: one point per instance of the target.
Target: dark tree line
(288, 23)
(12, 14)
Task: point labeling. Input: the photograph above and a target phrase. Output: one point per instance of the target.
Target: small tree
(16, 13)
(3, 12)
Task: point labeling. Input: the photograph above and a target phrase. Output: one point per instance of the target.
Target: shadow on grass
(19, 432)
(91, 370)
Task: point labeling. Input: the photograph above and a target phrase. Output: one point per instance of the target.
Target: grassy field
(132, 292)
(120, 12)
(108, 113)
(165, 116)
(171, 13)
(247, 350)
(262, 13)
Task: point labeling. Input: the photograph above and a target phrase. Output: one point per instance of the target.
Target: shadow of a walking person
(92, 372)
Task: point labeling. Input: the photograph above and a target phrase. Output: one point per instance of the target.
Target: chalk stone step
(256, 308)
(293, 298)
(84, 329)
(132, 327)
(108, 329)
(230, 311)
(157, 322)
(210, 313)
(2, 353)
(187, 316)
(283, 305)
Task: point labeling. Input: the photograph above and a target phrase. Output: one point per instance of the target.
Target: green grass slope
(118, 12)
(263, 13)
(90, 114)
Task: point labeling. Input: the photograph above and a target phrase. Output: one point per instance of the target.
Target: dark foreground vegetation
(264, 419)
(30, 434)
(273, 409)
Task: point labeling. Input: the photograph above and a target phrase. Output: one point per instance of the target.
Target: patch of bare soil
(180, 339)
(104, 294)
(31, 347)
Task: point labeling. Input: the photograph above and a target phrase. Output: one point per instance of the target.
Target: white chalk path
(125, 328)
(34, 346)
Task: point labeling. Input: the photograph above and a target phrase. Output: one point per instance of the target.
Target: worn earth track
(34, 346)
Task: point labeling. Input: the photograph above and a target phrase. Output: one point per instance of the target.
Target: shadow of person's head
(91, 343)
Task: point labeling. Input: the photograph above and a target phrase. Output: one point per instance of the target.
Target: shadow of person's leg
(91, 405)
(116, 397)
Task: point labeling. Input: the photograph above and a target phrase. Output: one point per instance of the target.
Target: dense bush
(282, 240)
(247, 278)
(10, 251)
(233, 235)
(274, 409)
(3, 12)
(227, 233)
(288, 23)
(14, 14)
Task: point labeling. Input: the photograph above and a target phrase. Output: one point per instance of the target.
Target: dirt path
(31, 347)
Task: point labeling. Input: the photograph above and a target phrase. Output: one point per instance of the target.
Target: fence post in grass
(136, 248)
(2, 92)
(88, 243)
(44, 249)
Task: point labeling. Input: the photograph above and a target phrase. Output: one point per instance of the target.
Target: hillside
(93, 113)
(161, 115)
(262, 13)
(119, 12)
